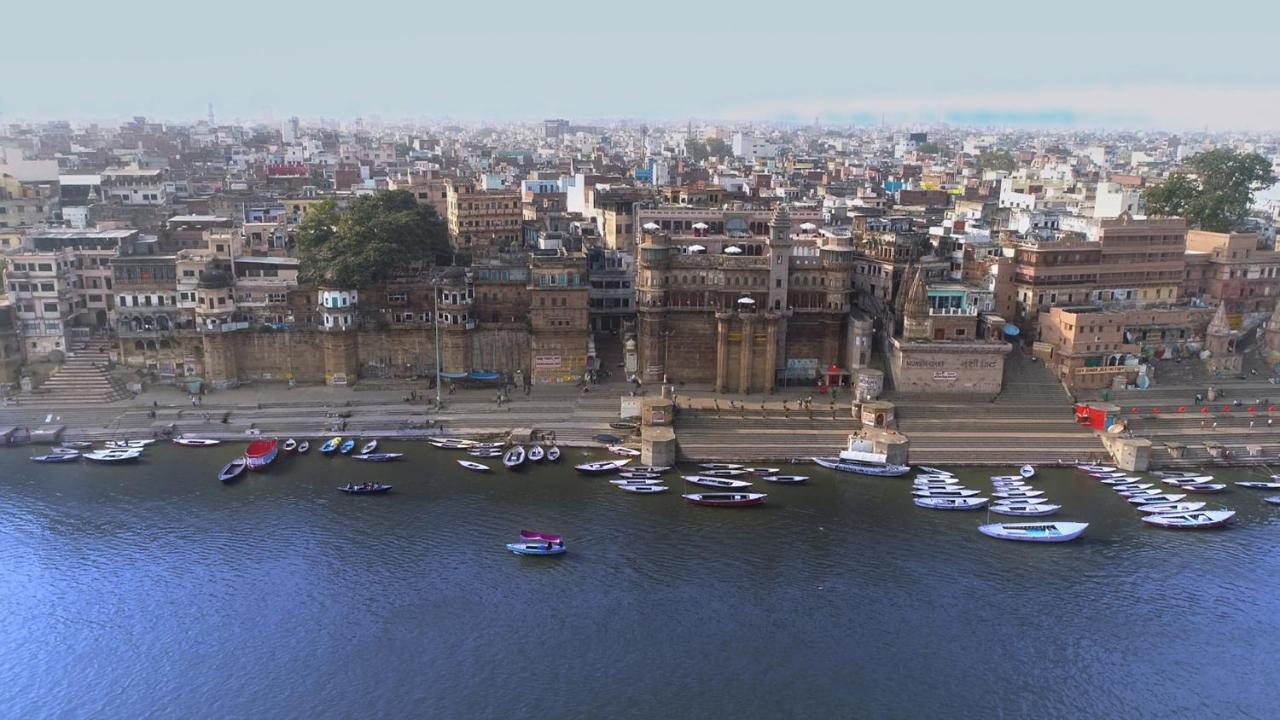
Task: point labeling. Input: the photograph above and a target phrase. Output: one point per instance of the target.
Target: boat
(1007, 478)
(601, 467)
(1191, 520)
(290, 445)
(127, 444)
(1174, 473)
(723, 473)
(1127, 487)
(1095, 468)
(1138, 493)
(944, 493)
(937, 486)
(715, 482)
(1103, 476)
(233, 470)
(606, 438)
(950, 503)
(763, 470)
(1273, 499)
(624, 425)
(377, 457)
(514, 457)
(486, 453)
(478, 467)
(644, 489)
(659, 469)
(939, 478)
(725, 499)
(860, 456)
(113, 456)
(536, 543)
(452, 443)
(1258, 485)
(1025, 509)
(330, 445)
(369, 447)
(77, 444)
(1166, 498)
(63, 450)
(933, 470)
(635, 481)
(553, 454)
(1035, 532)
(536, 453)
(304, 447)
(364, 488)
(623, 451)
(719, 466)
(633, 475)
(1010, 484)
(1204, 488)
(1018, 494)
(1122, 480)
(346, 447)
(195, 442)
(261, 453)
(1157, 508)
(57, 457)
(1027, 471)
(786, 479)
(1193, 480)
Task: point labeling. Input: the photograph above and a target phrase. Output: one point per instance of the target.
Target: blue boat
(57, 457)
(330, 445)
(347, 447)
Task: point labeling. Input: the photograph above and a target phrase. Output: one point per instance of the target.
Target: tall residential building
(483, 222)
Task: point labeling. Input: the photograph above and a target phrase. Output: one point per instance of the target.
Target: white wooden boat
(127, 444)
(938, 486)
(763, 470)
(1165, 498)
(478, 467)
(377, 456)
(1204, 488)
(1138, 493)
(1095, 468)
(553, 454)
(1121, 480)
(716, 482)
(633, 475)
(1105, 475)
(785, 479)
(1011, 485)
(1127, 487)
(113, 456)
(304, 447)
(1025, 510)
(1027, 471)
(644, 489)
(950, 503)
(933, 470)
(723, 473)
(536, 453)
(944, 493)
(875, 469)
(514, 457)
(649, 468)
(195, 442)
(1259, 485)
(485, 453)
(1192, 480)
(1007, 478)
(1198, 519)
(1176, 507)
(623, 451)
(1018, 494)
(600, 467)
(1035, 532)
(931, 476)
(1273, 499)
(1020, 501)
(631, 481)
(719, 466)
(290, 445)
(369, 447)
(1174, 473)
(726, 499)
(64, 450)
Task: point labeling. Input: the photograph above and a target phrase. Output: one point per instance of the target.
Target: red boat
(726, 499)
(261, 453)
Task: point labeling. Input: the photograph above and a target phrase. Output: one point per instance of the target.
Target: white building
(1113, 199)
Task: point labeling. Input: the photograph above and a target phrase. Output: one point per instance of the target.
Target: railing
(966, 310)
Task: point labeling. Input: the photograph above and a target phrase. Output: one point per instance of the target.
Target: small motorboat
(633, 475)
(368, 488)
(1121, 480)
(514, 457)
(785, 479)
(536, 453)
(127, 444)
(369, 447)
(1138, 493)
(195, 442)
(1027, 471)
(623, 451)
(633, 481)
(537, 548)
(1158, 508)
(1018, 494)
(553, 454)
(1165, 498)
(478, 467)
(933, 470)
(763, 470)
(646, 489)
(330, 445)
(233, 470)
(1131, 486)
(304, 447)
(113, 456)
(1095, 468)
(950, 503)
(723, 473)
(77, 444)
(1191, 520)
(1025, 509)
(719, 466)
(1258, 485)
(944, 493)
(725, 499)
(600, 467)
(1273, 500)
(290, 445)
(346, 447)
(1035, 532)
(659, 469)
(715, 482)
(378, 456)
(57, 457)
(1204, 488)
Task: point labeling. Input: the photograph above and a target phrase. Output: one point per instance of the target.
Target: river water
(154, 591)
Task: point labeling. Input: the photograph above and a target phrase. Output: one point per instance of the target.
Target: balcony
(969, 310)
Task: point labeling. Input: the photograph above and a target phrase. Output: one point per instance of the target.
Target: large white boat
(860, 457)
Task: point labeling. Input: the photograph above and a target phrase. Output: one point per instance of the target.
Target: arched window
(137, 345)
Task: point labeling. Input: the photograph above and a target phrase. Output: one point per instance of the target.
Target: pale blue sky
(1088, 61)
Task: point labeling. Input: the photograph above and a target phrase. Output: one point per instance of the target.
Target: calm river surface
(152, 591)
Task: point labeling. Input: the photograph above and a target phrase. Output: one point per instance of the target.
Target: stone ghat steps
(82, 379)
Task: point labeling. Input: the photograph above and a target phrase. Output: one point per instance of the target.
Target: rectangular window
(51, 307)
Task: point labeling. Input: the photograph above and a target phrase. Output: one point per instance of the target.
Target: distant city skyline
(1098, 65)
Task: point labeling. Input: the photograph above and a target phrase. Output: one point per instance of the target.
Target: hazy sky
(1084, 63)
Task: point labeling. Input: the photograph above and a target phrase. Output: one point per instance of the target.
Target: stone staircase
(81, 380)
(707, 435)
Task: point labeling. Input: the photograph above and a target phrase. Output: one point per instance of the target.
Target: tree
(1216, 194)
(997, 160)
(697, 150)
(375, 234)
(718, 148)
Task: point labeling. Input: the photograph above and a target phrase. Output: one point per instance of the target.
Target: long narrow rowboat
(1191, 520)
(1035, 532)
(950, 503)
(726, 499)
(473, 466)
(600, 468)
(860, 468)
(715, 482)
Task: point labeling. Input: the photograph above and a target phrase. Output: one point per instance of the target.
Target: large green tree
(997, 160)
(361, 244)
(1217, 192)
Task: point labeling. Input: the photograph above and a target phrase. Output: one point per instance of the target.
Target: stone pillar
(722, 352)
(771, 352)
(341, 358)
(745, 352)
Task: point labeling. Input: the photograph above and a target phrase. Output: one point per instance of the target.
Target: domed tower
(1220, 341)
(915, 317)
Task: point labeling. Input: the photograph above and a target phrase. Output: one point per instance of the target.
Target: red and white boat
(726, 499)
(261, 453)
